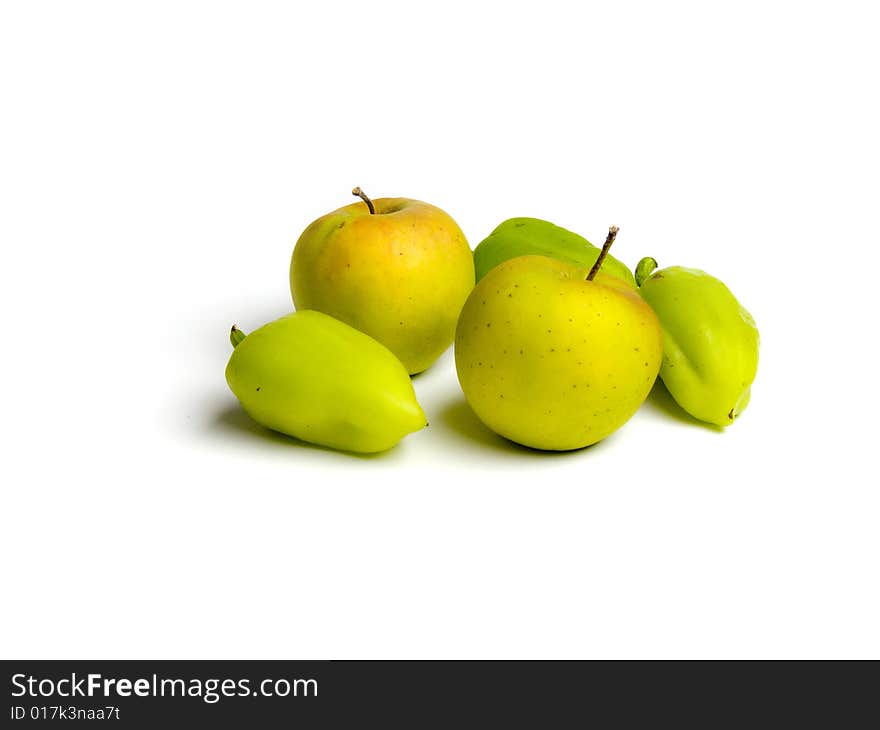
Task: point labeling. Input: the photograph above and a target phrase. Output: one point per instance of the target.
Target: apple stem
(236, 336)
(612, 234)
(363, 196)
(644, 269)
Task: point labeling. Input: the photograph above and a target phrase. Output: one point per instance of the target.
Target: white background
(157, 163)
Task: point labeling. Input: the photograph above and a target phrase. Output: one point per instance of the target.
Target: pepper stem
(612, 234)
(644, 269)
(236, 336)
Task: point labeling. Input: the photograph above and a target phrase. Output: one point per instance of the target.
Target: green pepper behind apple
(533, 236)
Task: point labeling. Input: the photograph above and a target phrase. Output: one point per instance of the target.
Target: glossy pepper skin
(533, 236)
(710, 341)
(311, 376)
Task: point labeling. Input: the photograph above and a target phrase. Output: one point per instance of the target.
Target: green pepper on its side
(710, 341)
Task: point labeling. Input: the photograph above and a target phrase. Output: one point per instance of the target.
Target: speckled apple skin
(552, 361)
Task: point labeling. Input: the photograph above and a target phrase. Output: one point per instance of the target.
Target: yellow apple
(397, 269)
(555, 356)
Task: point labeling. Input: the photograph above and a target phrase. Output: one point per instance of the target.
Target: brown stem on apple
(363, 196)
(612, 234)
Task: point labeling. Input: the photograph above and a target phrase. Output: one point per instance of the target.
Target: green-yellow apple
(553, 355)
(397, 269)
